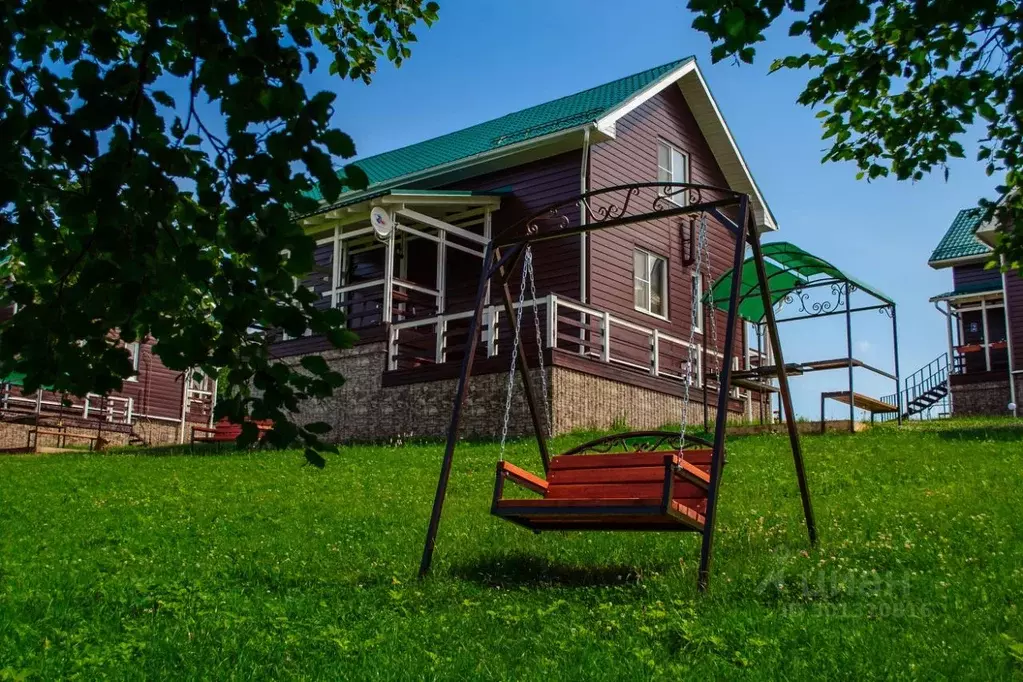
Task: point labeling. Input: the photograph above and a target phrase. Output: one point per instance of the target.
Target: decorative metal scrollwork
(637, 441)
(809, 306)
(622, 204)
(669, 196)
(888, 311)
(602, 214)
(551, 220)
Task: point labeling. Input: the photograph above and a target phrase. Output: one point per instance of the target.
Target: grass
(249, 566)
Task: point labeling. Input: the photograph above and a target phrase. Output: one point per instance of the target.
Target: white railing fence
(116, 410)
(566, 325)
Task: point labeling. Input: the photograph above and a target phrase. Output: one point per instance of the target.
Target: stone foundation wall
(159, 432)
(363, 409)
(983, 398)
(16, 436)
(587, 402)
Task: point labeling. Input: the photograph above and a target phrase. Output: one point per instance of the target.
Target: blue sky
(484, 59)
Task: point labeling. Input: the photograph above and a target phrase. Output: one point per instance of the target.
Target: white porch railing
(565, 325)
(114, 409)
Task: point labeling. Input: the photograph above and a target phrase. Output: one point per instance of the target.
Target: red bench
(226, 432)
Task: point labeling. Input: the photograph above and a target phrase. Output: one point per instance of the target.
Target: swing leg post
(527, 379)
(456, 413)
(784, 394)
(724, 381)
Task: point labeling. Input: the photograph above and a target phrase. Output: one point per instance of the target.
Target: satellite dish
(382, 222)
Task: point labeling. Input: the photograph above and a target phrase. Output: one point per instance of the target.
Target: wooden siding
(157, 392)
(531, 188)
(632, 157)
(974, 275)
(1014, 316)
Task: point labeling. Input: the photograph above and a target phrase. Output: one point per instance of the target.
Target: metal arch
(619, 205)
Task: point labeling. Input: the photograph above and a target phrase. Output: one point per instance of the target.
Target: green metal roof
(959, 241)
(789, 268)
(751, 306)
(969, 290)
(543, 119)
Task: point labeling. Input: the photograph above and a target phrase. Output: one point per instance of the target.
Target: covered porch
(977, 329)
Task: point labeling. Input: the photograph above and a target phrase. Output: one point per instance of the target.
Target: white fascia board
(607, 123)
(965, 260)
(712, 124)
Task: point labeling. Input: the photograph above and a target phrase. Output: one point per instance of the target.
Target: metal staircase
(925, 389)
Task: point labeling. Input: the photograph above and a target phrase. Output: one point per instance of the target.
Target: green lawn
(251, 566)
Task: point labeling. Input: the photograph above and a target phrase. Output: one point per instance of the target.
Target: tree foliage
(901, 82)
(153, 156)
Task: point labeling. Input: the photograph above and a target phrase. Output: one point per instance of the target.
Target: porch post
(388, 310)
(987, 340)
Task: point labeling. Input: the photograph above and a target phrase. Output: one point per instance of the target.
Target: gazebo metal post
(724, 381)
(489, 257)
(849, 355)
(898, 377)
(703, 375)
(784, 395)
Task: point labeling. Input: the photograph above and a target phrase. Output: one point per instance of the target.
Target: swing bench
(663, 490)
(638, 481)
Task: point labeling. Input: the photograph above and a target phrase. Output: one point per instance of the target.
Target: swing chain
(713, 327)
(539, 342)
(527, 265)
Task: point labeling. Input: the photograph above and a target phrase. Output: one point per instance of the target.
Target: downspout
(584, 187)
(1008, 336)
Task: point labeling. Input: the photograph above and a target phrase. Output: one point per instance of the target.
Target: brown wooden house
(611, 314)
(984, 321)
(156, 406)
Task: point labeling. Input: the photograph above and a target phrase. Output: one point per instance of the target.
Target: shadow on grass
(531, 571)
(1007, 432)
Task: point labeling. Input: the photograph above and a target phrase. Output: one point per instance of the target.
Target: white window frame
(648, 310)
(696, 285)
(668, 173)
(135, 352)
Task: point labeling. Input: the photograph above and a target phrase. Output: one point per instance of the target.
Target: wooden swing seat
(630, 491)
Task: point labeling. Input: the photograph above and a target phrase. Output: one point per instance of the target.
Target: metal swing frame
(631, 204)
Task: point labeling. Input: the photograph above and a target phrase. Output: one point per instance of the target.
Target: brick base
(159, 432)
(982, 398)
(363, 409)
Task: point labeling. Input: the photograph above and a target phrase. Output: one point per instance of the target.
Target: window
(650, 279)
(133, 354)
(697, 298)
(672, 166)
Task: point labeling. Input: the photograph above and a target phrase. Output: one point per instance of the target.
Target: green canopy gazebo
(819, 289)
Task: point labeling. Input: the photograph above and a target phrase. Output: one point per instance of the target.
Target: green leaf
(734, 21)
(315, 364)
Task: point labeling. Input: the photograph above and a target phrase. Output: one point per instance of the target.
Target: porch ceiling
(975, 292)
(436, 202)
